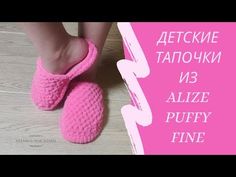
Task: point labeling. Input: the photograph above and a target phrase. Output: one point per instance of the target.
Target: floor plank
(20, 120)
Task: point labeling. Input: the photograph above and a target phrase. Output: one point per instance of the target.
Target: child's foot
(49, 89)
(72, 52)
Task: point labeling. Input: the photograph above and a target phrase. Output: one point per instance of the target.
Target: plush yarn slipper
(82, 116)
(49, 89)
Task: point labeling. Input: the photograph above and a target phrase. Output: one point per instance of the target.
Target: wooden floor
(26, 130)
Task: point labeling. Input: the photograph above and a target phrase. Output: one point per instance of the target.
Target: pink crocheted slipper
(49, 89)
(82, 117)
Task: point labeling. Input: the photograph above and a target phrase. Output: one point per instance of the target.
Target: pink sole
(48, 89)
(82, 117)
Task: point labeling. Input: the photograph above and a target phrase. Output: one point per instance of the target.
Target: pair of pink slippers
(82, 116)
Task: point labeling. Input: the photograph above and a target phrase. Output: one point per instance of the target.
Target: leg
(58, 50)
(95, 31)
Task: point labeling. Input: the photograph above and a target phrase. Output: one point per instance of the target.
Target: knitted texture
(82, 116)
(48, 89)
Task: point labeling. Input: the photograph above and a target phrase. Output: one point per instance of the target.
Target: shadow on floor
(108, 77)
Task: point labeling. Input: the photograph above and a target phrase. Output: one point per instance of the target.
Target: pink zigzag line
(131, 70)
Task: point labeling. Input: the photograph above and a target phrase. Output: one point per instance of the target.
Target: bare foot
(69, 53)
